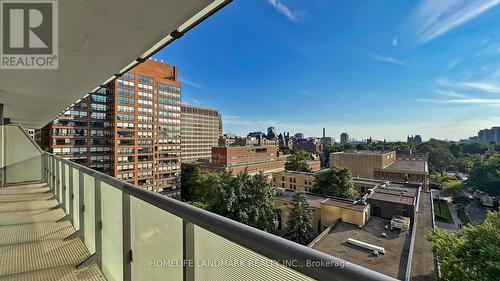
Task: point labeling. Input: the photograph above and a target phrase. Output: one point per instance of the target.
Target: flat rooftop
(414, 166)
(364, 152)
(387, 197)
(316, 200)
(396, 245)
(396, 193)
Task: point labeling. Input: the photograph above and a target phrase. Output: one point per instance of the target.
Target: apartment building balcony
(63, 221)
(60, 220)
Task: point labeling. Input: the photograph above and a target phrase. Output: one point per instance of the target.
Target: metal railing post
(126, 228)
(63, 187)
(53, 183)
(188, 250)
(71, 194)
(57, 181)
(81, 203)
(98, 221)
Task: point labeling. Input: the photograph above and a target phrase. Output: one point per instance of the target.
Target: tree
(455, 149)
(244, 198)
(187, 175)
(464, 164)
(335, 182)
(485, 175)
(299, 228)
(363, 146)
(474, 148)
(441, 158)
(298, 162)
(472, 254)
(254, 203)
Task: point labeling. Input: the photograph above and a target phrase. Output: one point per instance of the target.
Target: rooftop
(414, 166)
(388, 197)
(316, 200)
(396, 245)
(364, 152)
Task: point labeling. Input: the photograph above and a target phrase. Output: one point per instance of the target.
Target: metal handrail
(263, 243)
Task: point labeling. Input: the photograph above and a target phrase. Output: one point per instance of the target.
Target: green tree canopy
(485, 175)
(472, 254)
(299, 228)
(298, 161)
(335, 182)
(187, 174)
(441, 158)
(244, 198)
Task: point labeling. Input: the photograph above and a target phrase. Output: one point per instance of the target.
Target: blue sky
(382, 68)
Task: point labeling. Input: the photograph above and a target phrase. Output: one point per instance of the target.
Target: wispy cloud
(380, 58)
(190, 83)
(284, 9)
(450, 93)
(486, 86)
(435, 18)
(193, 101)
(481, 86)
(453, 64)
(470, 101)
(395, 41)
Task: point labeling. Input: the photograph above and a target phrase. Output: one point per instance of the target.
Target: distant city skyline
(383, 69)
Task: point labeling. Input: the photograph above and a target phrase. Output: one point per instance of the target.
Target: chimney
(324, 133)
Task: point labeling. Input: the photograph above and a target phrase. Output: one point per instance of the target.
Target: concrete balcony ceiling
(97, 39)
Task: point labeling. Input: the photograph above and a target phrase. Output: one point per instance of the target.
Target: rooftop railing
(135, 234)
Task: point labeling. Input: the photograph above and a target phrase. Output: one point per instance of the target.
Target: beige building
(362, 163)
(304, 181)
(326, 211)
(382, 165)
(296, 181)
(201, 128)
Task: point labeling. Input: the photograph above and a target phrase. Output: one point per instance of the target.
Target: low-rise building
(390, 205)
(309, 145)
(254, 159)
(295, 181)
(383, 165)
(236, 159)
(326, 210)
(314, 165)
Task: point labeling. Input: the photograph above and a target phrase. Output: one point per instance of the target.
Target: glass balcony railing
(135, 234)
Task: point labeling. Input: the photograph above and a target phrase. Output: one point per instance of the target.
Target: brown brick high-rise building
(129, 129)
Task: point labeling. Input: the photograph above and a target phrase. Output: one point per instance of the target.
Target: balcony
(62, 220)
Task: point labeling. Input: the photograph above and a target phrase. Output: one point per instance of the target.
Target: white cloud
(190, 83)
(192, 101)
(450, 93)
(285, 10)
(481, 86)
(386, 59)
(395, 41)
(434, 18)
(454, 63)
(469, 101)
(485, 86)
